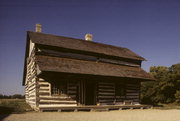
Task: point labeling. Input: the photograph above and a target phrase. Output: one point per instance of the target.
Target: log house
(67, 72)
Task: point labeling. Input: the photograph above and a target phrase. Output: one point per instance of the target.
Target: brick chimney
(38, 28)
(88, 37)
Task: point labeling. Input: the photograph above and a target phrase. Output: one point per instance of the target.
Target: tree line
(15, 96)
(166, 87)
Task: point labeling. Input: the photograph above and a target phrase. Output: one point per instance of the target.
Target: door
(90, 93)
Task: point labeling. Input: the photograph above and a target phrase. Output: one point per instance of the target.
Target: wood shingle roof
(82, 45)
(66, 65)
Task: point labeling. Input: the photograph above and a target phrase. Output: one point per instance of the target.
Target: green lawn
(13, 106)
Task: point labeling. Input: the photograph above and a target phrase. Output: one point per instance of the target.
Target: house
(64, 72)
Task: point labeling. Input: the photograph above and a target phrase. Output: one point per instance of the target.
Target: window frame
(58, 88)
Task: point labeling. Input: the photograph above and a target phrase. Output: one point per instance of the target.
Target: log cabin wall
(48, 100)
(31, 82)
(118, 93)
(73, 90)
(106, 92)
(133, 92)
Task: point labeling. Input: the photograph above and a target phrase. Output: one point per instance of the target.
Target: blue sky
(151, 28)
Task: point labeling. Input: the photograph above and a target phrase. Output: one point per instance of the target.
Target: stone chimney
(38, 28)
(88, 37)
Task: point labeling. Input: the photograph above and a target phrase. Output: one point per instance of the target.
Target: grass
(8, 106)
(167, 106)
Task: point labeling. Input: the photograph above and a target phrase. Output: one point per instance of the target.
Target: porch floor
(93, 108)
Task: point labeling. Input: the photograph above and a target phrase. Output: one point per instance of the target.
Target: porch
(85, 90)
(94, 108)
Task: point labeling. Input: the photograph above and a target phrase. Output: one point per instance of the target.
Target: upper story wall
(81, 55)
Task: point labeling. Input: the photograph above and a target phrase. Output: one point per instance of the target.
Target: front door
(90, 93)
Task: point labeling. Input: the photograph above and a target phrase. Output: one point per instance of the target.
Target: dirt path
(123, 115)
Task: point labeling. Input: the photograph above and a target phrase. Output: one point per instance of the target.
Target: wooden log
(56, 105)
(72, 88)
(43, 82)
(131, 90)
(71, 92)
(106, 90)
(106, 97)
(43, 85)
(105, 93)
(63, 102)
(106, 100)
(132, 97)
(53, 97)
(44, 88)
(132, 94)
(106, 87)
(44, 93)
(106, 83)
(47, 90)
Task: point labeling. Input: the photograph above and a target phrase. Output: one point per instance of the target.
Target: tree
(165, 89)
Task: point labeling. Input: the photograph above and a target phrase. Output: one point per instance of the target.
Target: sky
(150, 28)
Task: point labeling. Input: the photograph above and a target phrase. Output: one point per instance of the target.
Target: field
(20, 108)
(8, 106)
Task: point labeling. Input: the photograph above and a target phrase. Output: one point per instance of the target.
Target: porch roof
(66, 65)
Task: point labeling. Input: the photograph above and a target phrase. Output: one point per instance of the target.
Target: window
(59, 88)
(120, 89)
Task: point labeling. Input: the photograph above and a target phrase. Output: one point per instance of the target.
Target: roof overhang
(73, 66)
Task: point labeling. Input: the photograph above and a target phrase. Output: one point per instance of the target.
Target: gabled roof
(79, 45)
(66, 65)
(82, 45)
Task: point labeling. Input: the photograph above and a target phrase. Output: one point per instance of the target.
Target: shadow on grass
(15, 106)
(5, 112)
(167, 107)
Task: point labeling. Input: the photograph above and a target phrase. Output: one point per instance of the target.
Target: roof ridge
(83, 45)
